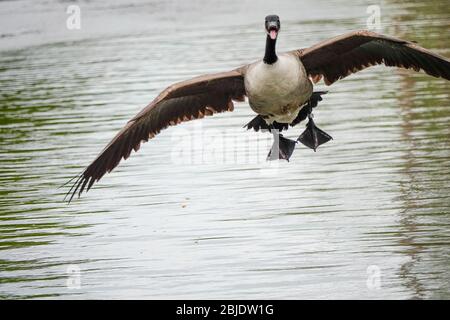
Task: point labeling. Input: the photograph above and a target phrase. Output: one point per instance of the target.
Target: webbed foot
(313, 137)
(282, 148)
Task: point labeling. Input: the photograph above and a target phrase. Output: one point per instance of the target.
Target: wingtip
(74, 188)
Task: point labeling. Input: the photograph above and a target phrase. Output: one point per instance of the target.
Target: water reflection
(424, 192)
(376, 195)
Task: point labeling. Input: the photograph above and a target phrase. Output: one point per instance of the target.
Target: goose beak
(272, 30)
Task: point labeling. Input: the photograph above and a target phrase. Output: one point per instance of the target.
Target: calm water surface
(373, 204)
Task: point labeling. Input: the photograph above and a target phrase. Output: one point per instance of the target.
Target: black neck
(270, 56)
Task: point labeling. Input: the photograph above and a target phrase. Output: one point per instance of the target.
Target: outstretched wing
(183, 101)
(341, 56)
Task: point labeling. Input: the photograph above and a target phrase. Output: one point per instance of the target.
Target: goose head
(272, 25)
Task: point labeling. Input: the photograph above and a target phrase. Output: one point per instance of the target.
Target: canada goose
(279, 89)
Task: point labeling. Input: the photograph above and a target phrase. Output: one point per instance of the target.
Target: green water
(164, 226)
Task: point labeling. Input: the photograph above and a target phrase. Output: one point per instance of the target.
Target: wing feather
(184, 101)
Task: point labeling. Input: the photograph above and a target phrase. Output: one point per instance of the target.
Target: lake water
(367, 216)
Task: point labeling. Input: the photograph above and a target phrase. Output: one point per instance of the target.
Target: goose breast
(277, 91)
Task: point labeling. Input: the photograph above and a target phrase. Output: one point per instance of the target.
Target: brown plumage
(331, 60)
(183, 101)
(343, 55)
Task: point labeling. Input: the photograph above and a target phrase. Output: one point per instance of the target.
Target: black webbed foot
(313, 137)
(282, 148)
